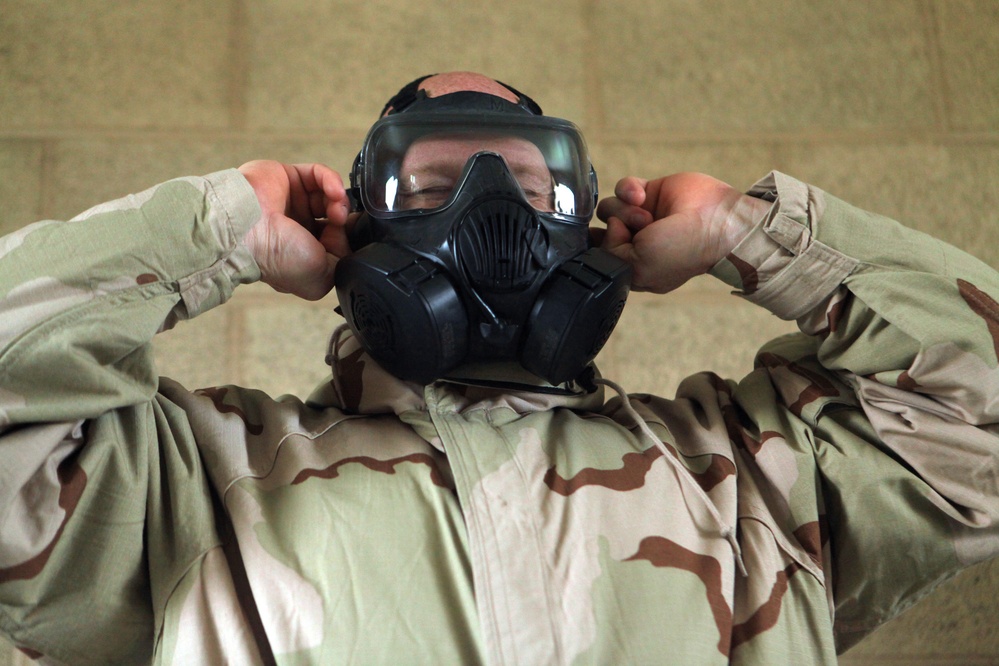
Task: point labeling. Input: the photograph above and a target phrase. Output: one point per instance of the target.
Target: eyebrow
(519, 168)
(436, 167)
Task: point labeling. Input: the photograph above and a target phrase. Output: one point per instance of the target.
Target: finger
(617, 238)
(336, 206)
(632, 190)
(316, 177)
(317, 204)
(628, 203)
(610, 207)
(335, 240)
(316, 192)
(619, 241)
(633, 216)
(297, 205)
(303, 266)
(319, 283)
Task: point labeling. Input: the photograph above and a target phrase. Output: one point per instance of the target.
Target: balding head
(440, 85)
(449, 82)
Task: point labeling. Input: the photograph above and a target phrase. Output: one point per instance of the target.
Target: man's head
(473, 239)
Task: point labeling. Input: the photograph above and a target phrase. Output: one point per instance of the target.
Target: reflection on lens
(565, 200)
(391, 187)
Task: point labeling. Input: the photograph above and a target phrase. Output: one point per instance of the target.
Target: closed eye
(428, 197)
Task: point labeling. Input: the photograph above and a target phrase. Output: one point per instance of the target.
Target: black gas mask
(473, 243)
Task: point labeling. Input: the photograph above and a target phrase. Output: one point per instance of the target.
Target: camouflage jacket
(776, 519)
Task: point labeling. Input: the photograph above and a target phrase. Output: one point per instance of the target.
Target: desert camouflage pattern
(776, 519)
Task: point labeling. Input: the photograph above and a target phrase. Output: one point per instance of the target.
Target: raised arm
(890, 399)
(103, 500)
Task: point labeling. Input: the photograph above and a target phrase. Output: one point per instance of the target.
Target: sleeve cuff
(234, 209)
(780, 265)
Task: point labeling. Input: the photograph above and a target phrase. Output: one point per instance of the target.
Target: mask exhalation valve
(501, 246)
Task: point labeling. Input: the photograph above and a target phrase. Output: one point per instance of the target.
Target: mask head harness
(473, 241)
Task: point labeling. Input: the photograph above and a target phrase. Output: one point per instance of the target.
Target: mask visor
(415, 162)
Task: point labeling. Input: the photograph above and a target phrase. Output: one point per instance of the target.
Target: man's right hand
(301, 233)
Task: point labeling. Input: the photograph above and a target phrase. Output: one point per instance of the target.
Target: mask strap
(333, 357)
(405, 96)
(687, 482)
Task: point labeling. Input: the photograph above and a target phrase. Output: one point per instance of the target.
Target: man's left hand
(674, 228)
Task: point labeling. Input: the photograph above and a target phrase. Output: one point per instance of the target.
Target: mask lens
(415, 164)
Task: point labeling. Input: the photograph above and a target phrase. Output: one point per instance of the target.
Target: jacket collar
(358, 385)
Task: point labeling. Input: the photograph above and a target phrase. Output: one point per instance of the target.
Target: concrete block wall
(890, 104)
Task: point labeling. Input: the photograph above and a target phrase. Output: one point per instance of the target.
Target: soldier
(461, 490)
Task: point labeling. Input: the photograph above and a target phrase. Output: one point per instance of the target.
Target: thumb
(291, 260)
(618, 240)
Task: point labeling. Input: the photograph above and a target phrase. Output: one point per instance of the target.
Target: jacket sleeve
(898, 384)
(103, 500)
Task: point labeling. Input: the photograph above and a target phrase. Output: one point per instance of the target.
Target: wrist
(252, 240)
(744, 215)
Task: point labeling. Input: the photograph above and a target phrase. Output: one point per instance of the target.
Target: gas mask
(473, 243)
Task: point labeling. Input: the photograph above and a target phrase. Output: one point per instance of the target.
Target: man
(485, 515)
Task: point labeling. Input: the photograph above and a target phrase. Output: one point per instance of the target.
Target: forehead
(449, 151)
